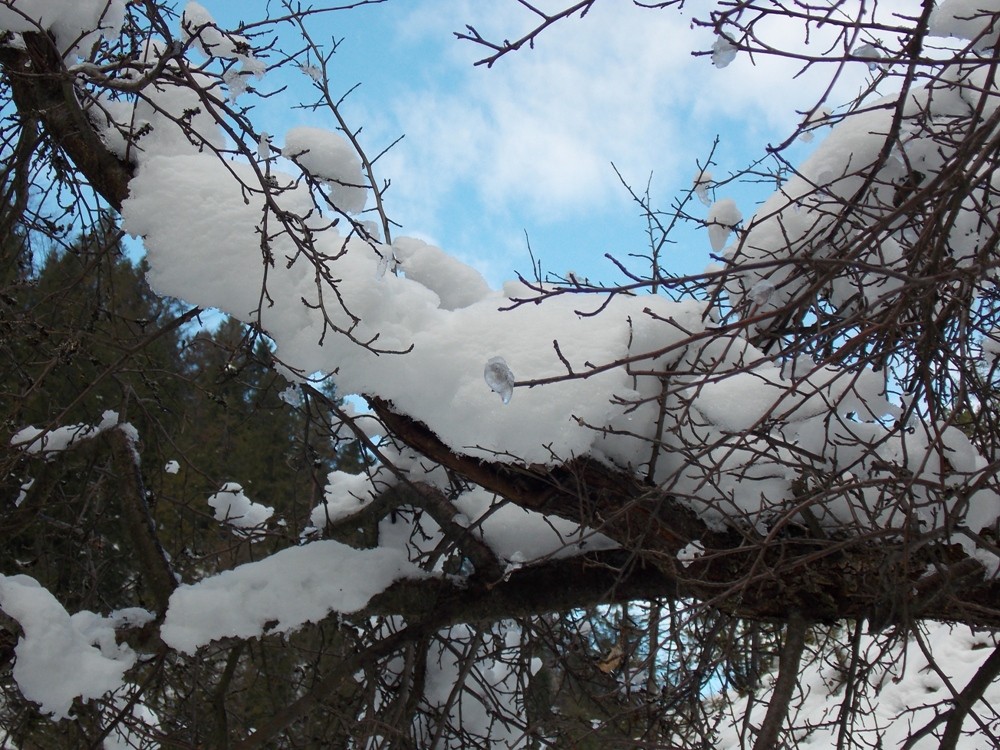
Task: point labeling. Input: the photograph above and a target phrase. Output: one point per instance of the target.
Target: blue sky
(526, 147)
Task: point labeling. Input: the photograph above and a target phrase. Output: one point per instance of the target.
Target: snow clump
(330, 159)
(723, 216)
(61, 657)
(233, 507)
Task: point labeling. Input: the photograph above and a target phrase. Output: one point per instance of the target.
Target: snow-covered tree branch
(790, 457)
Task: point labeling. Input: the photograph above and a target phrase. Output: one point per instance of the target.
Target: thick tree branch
(138, 520)
(788, 676)
(826, 579)
(42, 88)
(556, 585)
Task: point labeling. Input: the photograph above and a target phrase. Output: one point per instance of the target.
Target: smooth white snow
(281, 593)
(61, 657)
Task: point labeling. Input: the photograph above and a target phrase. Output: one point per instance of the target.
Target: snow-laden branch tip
(702, 184)
(47, 442)
(243, 515)
(329, 158)
(281, 593)
(62, 657)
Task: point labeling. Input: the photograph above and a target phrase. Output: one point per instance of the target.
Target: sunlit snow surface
(425, 358)
(281, 593)
(332, 160)
(76, 26)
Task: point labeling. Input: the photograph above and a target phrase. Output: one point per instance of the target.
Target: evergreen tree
(93, 338)
(244, 423)
(82, 335)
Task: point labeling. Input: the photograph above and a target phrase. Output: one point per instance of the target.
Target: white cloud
(529, 143)
(538, 131)
(534, 136)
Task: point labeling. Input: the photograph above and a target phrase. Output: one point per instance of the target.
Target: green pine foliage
(81, 334)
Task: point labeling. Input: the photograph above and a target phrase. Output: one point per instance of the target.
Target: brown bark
(42, 88)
